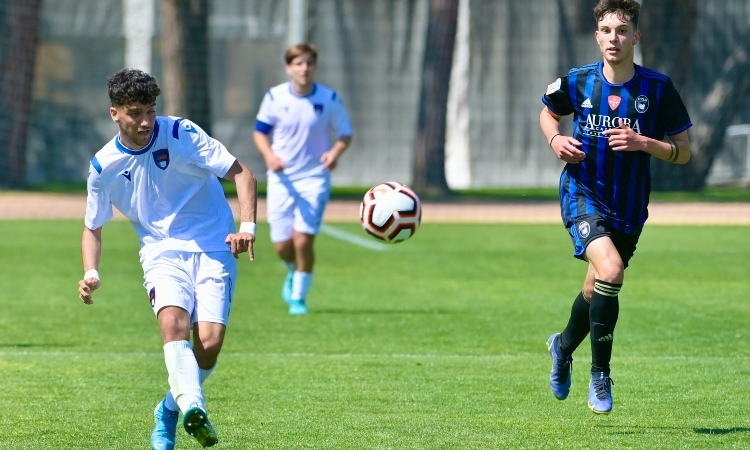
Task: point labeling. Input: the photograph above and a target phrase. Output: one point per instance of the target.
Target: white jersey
(169, 189)
(302, 126)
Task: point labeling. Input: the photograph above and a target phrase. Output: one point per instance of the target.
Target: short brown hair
(300, 49)
(623, 9)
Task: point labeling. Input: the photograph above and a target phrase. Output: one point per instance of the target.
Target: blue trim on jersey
(270, 94)
(96, 165)
(128, 151)
(263, 127)
(176, 128)
(548, 104)
(309, 94)
(650, 73)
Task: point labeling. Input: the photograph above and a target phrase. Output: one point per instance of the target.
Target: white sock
(184, 374)
(301, 282)
(205, 373)
(169, 401)
(290, 266)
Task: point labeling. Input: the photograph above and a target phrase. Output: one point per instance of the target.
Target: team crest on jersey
(553, 87)
(584, 229)
(641, 104)
(161, 158)
(318, 109)
(614, 101)
(152, 296)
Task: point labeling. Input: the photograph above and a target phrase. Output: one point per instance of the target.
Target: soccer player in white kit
(293, 132)
(162, 174)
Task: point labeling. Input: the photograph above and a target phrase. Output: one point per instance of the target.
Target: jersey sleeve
(557, 97)
(266, 119)
(201, 149)
(339, 124)
(672, 111)
(98, 204)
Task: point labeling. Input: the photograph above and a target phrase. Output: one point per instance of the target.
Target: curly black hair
(132, 86)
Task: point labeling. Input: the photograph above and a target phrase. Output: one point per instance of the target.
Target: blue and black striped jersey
(614, 185)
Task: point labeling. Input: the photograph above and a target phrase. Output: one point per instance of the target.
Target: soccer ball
(390, 212)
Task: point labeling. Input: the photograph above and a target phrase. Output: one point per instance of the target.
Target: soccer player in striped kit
(623, 115)
(293, 131)
(162, 174)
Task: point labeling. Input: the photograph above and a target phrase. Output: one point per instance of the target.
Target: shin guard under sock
(605, 308)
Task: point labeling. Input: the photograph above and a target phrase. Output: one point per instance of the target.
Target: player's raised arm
(247, 196)
(91, 250)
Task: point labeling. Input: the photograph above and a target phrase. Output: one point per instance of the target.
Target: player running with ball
(162, 174)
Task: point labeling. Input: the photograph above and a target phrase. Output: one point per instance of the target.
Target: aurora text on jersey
(615, 185)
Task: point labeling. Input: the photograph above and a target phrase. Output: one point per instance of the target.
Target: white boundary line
(353, 238)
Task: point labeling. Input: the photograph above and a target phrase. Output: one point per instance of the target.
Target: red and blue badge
(161, 158)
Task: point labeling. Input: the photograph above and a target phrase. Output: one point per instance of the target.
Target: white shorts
(297, 205)
(200, 283)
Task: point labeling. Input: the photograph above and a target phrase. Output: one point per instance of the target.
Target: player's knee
(612, 271)
(285, 250)
(207, 352)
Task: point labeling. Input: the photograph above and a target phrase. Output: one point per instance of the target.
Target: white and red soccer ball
(390, 212)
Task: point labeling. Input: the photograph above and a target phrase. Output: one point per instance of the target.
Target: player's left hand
(329, 160)
(241, 243)
(624, 138)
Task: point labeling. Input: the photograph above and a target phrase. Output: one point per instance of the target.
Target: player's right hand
(567, 149)
(274, 163)
(86, 288)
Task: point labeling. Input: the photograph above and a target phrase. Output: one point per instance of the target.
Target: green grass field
(436, 343)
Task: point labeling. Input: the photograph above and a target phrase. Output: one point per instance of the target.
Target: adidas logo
(587, 103)
(606, 338)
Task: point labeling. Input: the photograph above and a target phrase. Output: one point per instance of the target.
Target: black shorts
(593, 226)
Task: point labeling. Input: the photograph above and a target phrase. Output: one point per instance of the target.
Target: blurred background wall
(373, 52)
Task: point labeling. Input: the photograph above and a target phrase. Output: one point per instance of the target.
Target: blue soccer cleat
(600, 393)
(195, 421)
(560, 377)
(297, 307)
(163, 436)
(286, 289)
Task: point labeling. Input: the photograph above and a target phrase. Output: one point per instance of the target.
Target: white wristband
(91, 273)
(248, 227)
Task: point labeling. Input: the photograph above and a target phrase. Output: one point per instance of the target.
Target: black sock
(578, 325)
(605, 307)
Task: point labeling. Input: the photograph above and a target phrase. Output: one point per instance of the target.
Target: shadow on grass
(382, 311)
(30, 345)
(709, 431)
(721, 430)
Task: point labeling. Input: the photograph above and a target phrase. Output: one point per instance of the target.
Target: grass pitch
(436, 343)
